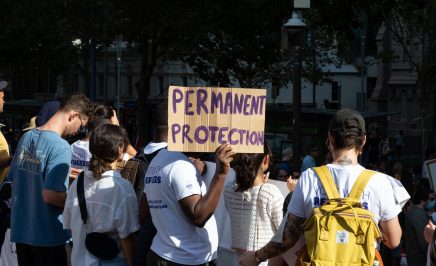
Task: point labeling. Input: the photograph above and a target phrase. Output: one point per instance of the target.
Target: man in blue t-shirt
(39, 172)
(309, 159)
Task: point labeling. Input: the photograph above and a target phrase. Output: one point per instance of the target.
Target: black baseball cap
(342, 120)
(46, 112)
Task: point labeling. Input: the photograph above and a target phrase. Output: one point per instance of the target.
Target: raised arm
(200, 208)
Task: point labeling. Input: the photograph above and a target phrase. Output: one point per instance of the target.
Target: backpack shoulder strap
(327, 181)
(360, 184)
(81, 197)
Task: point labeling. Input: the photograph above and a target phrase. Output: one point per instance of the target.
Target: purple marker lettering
(216, 100)
(177, 98)
(253, 138)
(188, 105)
(201, 99)
(232, 142)
(254, 105)
(238, 102)
(261, 139)
(228, 104)
(175, 129)
(213, 131)
(241, 137)
(247, 104)
(262, 101)
(197, 137)
(221, 135)
(185, 134)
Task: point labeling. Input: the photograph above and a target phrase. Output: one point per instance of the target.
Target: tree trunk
(144, 108)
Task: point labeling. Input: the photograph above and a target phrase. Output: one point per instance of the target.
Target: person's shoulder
(54, 139)
(80, 144)
(379, 176)
(273, 190)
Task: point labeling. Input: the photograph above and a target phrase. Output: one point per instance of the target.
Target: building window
(185, 81)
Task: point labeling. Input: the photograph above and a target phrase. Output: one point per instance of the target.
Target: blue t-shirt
(41, 161)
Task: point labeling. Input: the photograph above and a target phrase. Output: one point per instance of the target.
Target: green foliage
(33, 36)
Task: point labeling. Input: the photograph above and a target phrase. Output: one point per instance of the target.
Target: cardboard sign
(128, 170)
(200, 119)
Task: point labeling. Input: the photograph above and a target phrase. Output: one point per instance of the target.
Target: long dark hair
(104, 145)
(246, 166)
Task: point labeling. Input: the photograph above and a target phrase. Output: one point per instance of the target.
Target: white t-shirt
(112, 207)
(171, 177)
(154, 146)
(378, 196)
(80, 154)
(221, 215)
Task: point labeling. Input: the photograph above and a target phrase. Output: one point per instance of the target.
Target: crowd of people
(71, 206)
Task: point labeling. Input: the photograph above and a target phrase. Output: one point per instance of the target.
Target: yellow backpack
(341, 232)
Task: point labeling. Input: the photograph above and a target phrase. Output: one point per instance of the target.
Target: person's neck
(56, 124)
(114, 165)
(259, 180)
(345, 157)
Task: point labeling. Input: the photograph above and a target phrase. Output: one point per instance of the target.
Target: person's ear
(266, 160)
(364, 140)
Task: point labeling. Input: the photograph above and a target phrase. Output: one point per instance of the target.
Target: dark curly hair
(103, 111)
(104, 145)
(246, 166)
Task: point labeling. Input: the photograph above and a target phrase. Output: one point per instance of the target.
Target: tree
(159, 30)
(413, 27)
(242, 44)
(32, 38)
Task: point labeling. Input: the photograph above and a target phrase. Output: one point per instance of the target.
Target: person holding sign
(182, 210)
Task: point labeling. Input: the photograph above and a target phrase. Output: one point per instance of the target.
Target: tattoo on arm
(291, 234)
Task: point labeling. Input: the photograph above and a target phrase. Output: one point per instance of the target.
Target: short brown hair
(77, 102)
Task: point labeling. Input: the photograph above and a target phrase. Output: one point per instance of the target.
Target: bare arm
(131, 151)
(429, 232)
(5, 162)
(56, 198)
(127, 245)
(391, 231)
(199, 209)
(291, 234)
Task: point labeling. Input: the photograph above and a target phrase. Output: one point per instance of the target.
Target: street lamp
(293, 33)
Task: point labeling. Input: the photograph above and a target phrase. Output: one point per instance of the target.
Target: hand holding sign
(223, 157)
